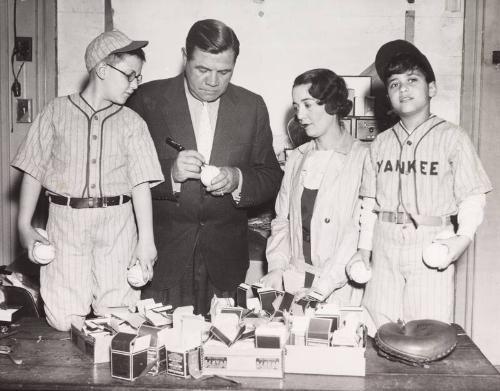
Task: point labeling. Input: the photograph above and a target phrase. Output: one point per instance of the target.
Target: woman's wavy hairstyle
(329, 89)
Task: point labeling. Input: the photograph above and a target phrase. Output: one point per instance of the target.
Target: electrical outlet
(24, 48)
(24, 111)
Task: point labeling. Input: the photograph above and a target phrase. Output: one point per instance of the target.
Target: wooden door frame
(46, 76)
(5, 82)
(470, 104)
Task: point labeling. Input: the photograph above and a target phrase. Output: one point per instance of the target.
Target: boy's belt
(406, 218)
(80, 203)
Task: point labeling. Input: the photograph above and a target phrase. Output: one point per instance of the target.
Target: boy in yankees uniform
(419, 173)
(93, 156)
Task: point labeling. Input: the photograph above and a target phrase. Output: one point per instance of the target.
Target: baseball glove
(417, 342)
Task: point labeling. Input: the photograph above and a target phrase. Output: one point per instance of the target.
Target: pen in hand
(178, 147)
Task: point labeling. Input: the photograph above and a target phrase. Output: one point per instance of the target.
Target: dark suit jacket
(193, 217)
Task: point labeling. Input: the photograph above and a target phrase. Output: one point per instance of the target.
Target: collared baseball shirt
(430, 171)
(75, 151)
(426, 172)
(78, 152)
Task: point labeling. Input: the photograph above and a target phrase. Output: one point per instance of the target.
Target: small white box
(241, 359)
(325, 360)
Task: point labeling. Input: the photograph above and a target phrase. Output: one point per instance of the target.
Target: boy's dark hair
(211, 36)
(329, 89)
(115, 58)
(407, 62)
(401, 56)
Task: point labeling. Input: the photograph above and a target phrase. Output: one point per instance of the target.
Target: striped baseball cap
(107, 43)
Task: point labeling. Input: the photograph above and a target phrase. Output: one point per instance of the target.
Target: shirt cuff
(176, 187)
(470, 215)
(237, 192)
(367, 221)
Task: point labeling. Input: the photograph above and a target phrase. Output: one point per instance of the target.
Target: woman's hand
(273, 279)
(361, 254)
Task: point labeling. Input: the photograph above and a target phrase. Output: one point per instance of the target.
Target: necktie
(205, 134)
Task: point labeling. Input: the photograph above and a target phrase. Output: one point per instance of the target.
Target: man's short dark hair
(211, 36)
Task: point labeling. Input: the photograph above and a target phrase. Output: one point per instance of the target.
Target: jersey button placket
(407, 178)
(93, 154)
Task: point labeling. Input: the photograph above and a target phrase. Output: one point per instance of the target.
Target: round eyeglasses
(130, 76)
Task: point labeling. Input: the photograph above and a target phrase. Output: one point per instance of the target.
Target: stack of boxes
(268, 334)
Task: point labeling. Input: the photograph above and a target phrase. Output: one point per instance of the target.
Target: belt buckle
(92, 202)
(104, 202)
(400, 218)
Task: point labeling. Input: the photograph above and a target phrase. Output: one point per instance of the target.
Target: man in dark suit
(201, 232)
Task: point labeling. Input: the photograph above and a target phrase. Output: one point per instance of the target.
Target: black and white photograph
(249, 194)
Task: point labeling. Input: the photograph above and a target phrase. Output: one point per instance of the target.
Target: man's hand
(456, 246)
(28, 236)
(146, 254)
(187, 166)
(273, 279)
(226, 182)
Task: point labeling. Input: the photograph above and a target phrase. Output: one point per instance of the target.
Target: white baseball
(135, 276)
(43, 253)
(208, 173)
(360, 273)
(436, 255)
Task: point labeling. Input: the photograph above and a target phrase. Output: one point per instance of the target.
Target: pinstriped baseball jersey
(426, 172)
(78, 152)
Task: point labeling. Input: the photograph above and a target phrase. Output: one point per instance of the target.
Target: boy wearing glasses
(93, 156)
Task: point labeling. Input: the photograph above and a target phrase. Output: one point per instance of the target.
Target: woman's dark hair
(329, 89)
(211, 36)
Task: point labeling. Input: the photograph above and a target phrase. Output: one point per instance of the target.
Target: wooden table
(52, 362)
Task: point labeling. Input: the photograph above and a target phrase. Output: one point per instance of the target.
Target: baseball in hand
(436, 255)
(360, 273)
(208, 173)
(135, 277)
(43, 253)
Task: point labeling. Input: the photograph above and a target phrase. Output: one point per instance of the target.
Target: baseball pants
(93, 249)
(402, 286)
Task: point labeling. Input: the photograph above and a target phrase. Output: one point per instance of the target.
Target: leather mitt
(417, 342)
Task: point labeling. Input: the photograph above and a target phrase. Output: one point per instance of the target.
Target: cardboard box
(325, 360)
(129, 355)
(241, 359)
(183, 363)
(96, 345)
(156, 351)
(339, 353)
(10, 314)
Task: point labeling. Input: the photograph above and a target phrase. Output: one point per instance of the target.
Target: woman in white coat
(316, 228)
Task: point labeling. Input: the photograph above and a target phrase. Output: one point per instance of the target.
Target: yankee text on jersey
(422, 167)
